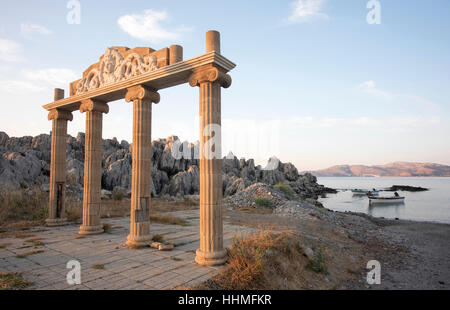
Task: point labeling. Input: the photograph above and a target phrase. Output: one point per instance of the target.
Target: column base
(91, 230)
(211, 258)
(138, 241)
(56, 222)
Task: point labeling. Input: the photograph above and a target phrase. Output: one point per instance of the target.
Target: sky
(317, 82)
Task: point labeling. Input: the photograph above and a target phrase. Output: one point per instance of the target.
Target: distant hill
(397, 169)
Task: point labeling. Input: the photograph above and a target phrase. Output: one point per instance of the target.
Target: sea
(428, 206)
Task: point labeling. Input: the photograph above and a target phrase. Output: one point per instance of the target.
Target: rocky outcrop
(25, 161)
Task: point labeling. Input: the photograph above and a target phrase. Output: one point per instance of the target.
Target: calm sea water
(430, 206)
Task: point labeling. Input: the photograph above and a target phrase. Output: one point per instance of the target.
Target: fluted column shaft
(142, 99)
(57, 214)
(210, 81)
(92, 166)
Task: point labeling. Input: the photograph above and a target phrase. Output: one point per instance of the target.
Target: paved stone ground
(124, 268)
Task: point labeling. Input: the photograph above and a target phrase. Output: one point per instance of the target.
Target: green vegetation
(118, 195)
(263, 202)
(157, 238)
(285, 189)
(318, 264)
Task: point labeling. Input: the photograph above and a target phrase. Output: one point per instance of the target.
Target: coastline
(407, 250)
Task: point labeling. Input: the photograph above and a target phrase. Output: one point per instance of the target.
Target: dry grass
(98, 267)
(121, 208)
(24, 255)
(35, 241)
(251, 210)
(168, 220)
(13, 281)
(265, 261)
(25, 206)
(4, 245)
(168, 205)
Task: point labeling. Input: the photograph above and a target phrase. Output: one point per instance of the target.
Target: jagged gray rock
(25, 161)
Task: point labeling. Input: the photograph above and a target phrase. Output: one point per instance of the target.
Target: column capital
(92, 105)
(140, 92)
(210, 74)
(60, 114)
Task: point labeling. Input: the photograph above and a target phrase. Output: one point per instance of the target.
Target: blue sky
(315, 84)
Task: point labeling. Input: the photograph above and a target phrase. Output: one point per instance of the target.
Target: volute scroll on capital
(210, 75)
(140, 92)
(60, 114)
(91, 105)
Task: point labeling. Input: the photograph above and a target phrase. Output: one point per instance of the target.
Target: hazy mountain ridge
(396, 169)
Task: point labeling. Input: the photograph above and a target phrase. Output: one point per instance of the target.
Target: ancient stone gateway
(137, 75)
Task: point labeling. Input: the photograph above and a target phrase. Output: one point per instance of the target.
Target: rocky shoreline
(25, 162)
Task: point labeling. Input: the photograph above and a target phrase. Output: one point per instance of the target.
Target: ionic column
(142, 99)
(210, 80)
(59, 118)
(92, 166)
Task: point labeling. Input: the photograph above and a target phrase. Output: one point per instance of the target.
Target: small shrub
(318, 264)
(98, 267)
(285, 189)
(263, 202)
(157, 238)
(118, 195)
(107, 228)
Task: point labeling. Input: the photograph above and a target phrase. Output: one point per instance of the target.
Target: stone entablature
(118, 64)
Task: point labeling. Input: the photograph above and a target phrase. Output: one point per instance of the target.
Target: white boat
(393, 199)
(358, 191)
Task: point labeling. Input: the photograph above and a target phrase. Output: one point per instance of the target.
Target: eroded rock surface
(25, 162)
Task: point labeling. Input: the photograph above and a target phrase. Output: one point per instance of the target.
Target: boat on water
(372, 192)
(386, 200)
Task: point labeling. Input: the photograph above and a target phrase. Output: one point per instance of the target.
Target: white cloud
(14, 87)
(147, 26)
(33, 81)
(306, 11)
(51, 76)
(10, 51)
(30, 29)
(371, 88)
